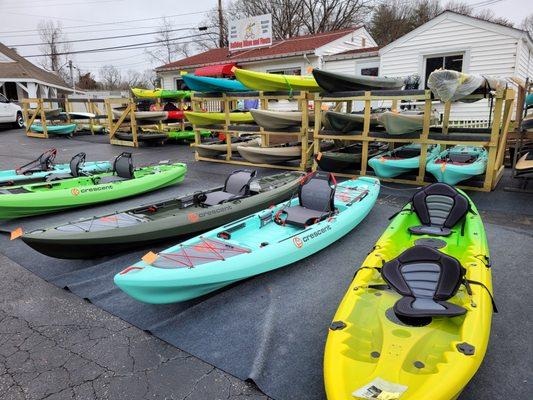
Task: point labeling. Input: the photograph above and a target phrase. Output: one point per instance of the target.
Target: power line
(105, 37)
(47, 4)
(122, 47)
(111, 23)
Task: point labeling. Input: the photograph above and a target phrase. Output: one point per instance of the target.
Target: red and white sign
(250, 32)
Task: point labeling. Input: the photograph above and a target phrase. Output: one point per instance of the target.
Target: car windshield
(3, 99)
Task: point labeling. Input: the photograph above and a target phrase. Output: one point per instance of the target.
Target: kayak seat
(237, 186)
(122, 167)
(406, 153)
(317, 200)
(439, 207)
(426, 278)
(461, 158)
(75, 168)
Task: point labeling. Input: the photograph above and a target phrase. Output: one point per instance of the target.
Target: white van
(10, 113)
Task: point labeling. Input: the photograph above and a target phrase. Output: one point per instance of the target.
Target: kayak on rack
(161, 94)
(62, 194)
(401, 160)
(415, 321)
(278, 120)
(187, 134)
(404, 122)
(275, 82)
(43, 166)
(175, 114)
(207, 84)
(276, 154)
(144, 136)
(349, 122)
(335, 82)
(219, 147)
(320, 214)
(218, 118)
(59, 129)
(346, 158)
(241, 195)
(458, 164)
(153, 115)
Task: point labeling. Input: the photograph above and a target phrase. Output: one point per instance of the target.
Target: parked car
(10, 113)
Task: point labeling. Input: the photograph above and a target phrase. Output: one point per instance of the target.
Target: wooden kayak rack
(494, 139)
(225, 102)
(33, 108)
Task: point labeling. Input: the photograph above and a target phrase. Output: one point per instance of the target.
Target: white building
(21, 79)
(297, 55)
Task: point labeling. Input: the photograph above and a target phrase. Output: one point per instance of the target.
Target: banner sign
(250, 32)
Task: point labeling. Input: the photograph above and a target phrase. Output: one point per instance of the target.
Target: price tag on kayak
(16, 233)
(319, 156)
(380, 389)
(150, 257)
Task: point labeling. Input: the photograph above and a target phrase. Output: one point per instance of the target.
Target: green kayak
(124, 181)
(63, 129)
(186, 135)
(168, 219)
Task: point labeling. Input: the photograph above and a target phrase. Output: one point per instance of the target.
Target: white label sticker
(381, 390)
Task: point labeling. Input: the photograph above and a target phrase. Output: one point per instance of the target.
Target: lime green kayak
(186, 135)
(56, 195)
(161, 94)
(218, 118)
(276, 82)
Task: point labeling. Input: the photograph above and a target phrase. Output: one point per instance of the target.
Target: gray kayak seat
(316, 197)
(439, 207)
(426, 278)
(122, 167)
(237, 186)
(75, 164)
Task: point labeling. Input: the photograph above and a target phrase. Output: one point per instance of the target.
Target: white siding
(485, 52)
(524, 66)
(355, 40)
(283, 63)
(351, 66)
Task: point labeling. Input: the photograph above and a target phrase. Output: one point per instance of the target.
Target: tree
(330, 15)
(390, 21)
(86, 82)
(527, 24)
(52, 36)
(110, 77)
(169, 49)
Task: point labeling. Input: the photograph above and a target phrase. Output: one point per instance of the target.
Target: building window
(180, 84)
(453, 62)
(370, 71)
(286, 71)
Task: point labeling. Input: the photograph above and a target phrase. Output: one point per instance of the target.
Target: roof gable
(466, 19)
(20, 68)
(297, 45)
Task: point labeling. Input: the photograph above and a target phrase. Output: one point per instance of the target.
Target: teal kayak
(458, 164)
(215, 85)
(401, 160)
(43, 167)
(288, 232)
(62, 129)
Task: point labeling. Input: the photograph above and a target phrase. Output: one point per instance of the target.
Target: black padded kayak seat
(122, 167)
(237, 186)
(439, 207)
(406, 153)
(461, 158)
(75, 168)
(317, 200)
(426, 278)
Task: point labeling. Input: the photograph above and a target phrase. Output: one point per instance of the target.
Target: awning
(215, 70)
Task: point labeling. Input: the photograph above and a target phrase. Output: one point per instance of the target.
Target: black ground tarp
(272, 328)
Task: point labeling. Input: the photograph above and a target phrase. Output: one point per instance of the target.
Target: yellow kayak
(160, 93)
(410, 327)
(276, 82)
(218, 118)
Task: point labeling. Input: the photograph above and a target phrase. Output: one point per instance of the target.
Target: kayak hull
(186, 135)
(213, 85)
(344, 122)
(63, 129)
(276, 82)
(161, 94)
(217, 118)
(263, 249)
(346, 158)
(452, 173)
(278, 120)
(42, 198)
(220, 147)
(334, 82)
(386, 167)
(373, 343)
(171, 220)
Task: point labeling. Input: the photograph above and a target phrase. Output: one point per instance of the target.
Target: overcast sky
(84, 19)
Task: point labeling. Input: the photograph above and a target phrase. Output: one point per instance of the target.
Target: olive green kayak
(168, 219)
(218, 118)
(47, 197)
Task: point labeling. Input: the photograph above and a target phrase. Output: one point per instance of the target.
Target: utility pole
(71, 68)
(220, 25)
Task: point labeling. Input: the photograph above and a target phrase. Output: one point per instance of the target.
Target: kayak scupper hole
(401, 333)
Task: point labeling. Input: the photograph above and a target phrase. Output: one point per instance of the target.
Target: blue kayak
(43, 166)
(319, 215)
(458, 163)
(62, 129)
(207, 84)
(401, 160)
